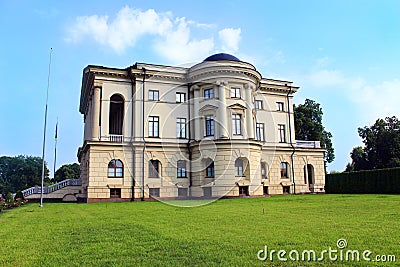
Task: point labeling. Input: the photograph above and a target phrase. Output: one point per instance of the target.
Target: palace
(216, 129)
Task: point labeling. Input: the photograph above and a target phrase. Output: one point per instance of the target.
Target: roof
(221, 56)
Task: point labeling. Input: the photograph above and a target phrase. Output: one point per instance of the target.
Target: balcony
(308, 144)
(115, 138)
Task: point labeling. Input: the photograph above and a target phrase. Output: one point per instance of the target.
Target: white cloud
(177, 46)
(128, 25)
(230, 39)
(171, 36)
(372, 101)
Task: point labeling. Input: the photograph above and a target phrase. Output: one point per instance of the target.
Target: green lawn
(226, 232)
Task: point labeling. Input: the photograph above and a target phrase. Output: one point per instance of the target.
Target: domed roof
(221, 56)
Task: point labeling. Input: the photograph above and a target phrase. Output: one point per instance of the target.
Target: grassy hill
(224, 233)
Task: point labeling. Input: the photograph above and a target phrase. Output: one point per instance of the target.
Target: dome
(221, 56)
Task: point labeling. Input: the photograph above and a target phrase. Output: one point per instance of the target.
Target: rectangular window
(210, 169)
(282, 133)
(180, 97)
(209, 93)
(181, 168)
(236, 124)
(154, 166)
(209, 126)
(154, 192)
(153, 95)
(182, 192)
(260, 132)
(115, 192)
(258, 104)
(207, 192)
(280, 106)
(235, 92)
(153, 126)
(181, 127)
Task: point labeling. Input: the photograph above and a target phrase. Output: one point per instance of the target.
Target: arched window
(239, 168)
(154, 169)
(209, 168)
(116, 114)
(310, 173)
(115, 169)
(263, 170)
(284, 170)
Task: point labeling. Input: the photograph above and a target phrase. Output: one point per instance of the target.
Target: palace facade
(216, 129)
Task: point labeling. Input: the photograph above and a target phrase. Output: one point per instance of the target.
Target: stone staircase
(68, 190)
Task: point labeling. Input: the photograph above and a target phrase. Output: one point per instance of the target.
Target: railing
(116, 138)
(308, 144)
(51, 188)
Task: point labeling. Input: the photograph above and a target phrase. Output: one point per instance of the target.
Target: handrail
(51, 188)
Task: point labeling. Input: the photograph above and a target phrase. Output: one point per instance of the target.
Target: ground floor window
(207, 192)
(182, 192)
(115, 192)
(243, 191)
(154, 192)
(286, 189)
(265, 190)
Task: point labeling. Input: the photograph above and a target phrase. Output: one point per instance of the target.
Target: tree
(20, 172)
(308, 125)
(68, 171)
(381, 145)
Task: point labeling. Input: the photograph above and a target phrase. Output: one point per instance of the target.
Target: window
(115, 169)
(153, 126)
(265, 190)
(236, 124)
(116, 116)
(243, 191)
(181, 169)
(181, 127)
(260, 132)
(209, 168)
(208, 93)
(263, 170)
(207, 192)
(154, 169)
(280, 106)
(154, 192)
(153, 95)
(258, 104)
(115, 192)
(209, 126)
(284, 170)
(239, 168)
(182, 192)
(286, 190)
(180, 97)
(235, 92)
(282, 133)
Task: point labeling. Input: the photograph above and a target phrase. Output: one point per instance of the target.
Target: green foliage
(225, 233)
(308, 126)
(20, 172)
(68, 171)
(19, 195)
(383, 181)
(381, 146)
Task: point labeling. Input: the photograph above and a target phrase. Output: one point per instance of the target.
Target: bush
(19, 195)
(383, 181)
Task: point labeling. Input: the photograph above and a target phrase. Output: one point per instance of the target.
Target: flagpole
(55, 153)
(44, 131)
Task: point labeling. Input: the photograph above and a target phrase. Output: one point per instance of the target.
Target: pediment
(208, 107)
(237, 106)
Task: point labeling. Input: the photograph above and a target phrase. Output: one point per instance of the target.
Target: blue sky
(343, 54)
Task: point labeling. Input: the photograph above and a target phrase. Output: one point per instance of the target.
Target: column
(96, 113)
(195, 116)
(249, 111)
(222, 120)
